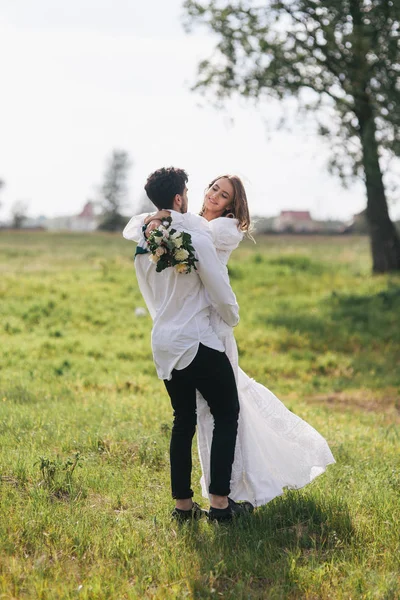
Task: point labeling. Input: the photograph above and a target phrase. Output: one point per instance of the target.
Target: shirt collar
(177, 217)
(189, 220)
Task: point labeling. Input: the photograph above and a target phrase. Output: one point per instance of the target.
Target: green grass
(85, 425)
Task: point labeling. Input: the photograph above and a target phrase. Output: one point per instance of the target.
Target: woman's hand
(158, 216)
(151, 226)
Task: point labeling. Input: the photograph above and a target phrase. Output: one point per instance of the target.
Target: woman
(275, 448)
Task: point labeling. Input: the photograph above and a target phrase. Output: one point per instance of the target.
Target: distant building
(295, 221)
(331, 226)
(86, 220)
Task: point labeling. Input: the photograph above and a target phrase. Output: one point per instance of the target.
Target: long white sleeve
(215, 279)
(133, 230)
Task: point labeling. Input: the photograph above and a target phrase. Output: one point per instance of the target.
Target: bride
(275, 449)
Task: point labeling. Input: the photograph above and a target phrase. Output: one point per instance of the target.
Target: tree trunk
(385, 243)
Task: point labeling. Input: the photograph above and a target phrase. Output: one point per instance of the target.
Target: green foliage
(113, 221)
(2, 184)
(77, 381)
(340, 61)
(341, 51)
(113, 191)
(18, 211)
(57, 475)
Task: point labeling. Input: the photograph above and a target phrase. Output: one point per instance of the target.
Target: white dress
(275, 449)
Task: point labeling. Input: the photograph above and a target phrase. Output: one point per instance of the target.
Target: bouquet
(171, 248)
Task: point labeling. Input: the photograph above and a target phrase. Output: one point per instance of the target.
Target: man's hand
(158, 216)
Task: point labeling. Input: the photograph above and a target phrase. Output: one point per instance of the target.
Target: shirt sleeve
(216, 280)
(144, 286)
(133, 230)
(225, 233)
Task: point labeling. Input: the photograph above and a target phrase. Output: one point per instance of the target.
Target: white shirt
(180, 303)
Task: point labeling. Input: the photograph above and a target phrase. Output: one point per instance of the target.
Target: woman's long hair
(239, 208)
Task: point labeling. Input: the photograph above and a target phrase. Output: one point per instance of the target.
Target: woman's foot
(218, 501)
(233, 510)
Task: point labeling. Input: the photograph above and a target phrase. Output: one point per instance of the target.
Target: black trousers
(211, 373)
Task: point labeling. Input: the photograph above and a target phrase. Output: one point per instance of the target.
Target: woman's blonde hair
(239, 207)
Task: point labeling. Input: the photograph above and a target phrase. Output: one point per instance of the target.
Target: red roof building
(298, 221)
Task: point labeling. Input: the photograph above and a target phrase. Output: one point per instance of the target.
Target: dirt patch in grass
(366, 400)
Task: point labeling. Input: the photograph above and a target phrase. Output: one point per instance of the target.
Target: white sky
(81, 77)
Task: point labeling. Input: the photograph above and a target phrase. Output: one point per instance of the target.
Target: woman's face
(218, 198)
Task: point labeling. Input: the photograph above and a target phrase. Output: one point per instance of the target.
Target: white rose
(160, 251)
(177, 239)
(181, 254)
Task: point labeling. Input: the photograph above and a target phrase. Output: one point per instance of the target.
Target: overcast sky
(82, 77)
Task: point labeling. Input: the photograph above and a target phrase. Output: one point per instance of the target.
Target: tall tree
(114, 190)
(347, 52)
(18, 213)
(2, 184)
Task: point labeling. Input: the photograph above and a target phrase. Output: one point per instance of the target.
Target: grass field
(85, 425)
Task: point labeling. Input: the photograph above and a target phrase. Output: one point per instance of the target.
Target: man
(187, 353)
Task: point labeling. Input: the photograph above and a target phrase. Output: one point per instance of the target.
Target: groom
(187, 353)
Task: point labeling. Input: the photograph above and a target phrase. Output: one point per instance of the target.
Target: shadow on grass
(19, 394)
(258, 554)
(346, 316)
(293, 263)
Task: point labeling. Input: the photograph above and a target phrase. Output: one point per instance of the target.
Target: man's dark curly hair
(163, 185)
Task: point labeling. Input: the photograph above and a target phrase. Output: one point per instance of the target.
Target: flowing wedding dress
(275, 449)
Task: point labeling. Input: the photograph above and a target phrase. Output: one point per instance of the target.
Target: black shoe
(233, 510)
(195, 513)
